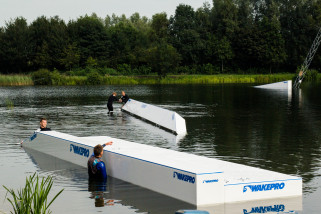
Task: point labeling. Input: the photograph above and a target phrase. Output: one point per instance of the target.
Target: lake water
(272, 130)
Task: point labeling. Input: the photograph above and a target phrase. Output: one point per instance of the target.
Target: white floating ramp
(164, 118)
(284, 85)
(197, 180)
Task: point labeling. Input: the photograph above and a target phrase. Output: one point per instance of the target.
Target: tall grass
(33, 198)
(225, 78)
(9, 104)
(173, 79)
(15, 80)
(58, 79)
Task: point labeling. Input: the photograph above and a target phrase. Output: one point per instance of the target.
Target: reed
(9, 104)
(175, 79)
(58, 79)
(15, 80)
(69, 80)
(225, 78)
(33, 198)
(178, 79)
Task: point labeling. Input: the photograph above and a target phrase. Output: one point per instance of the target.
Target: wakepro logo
(184, 177)
(210, 181)
(79, 150)
(265, 209)
(263, 187)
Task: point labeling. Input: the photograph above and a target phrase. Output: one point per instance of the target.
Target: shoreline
(64, 80)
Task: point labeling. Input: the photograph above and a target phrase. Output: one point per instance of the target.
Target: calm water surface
(268, 129)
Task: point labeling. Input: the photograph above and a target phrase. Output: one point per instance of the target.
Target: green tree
(91, 62)
(127, 44)
(224, 51)
(163, 58)
(2, 53)
(48, 37)
(184, 35)
(14, 49)
(91, 38)
(273, 52)
(159, 27)
(224, 15)
(204, 28)
(42, 58)
(245, 41)
(296, 28)
(316, 11)
(70, 56)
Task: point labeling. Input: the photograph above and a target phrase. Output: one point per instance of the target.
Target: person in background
(124, 98)
(43, 125)
(96, 166)
(111, 99)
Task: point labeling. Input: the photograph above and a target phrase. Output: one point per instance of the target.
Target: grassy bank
(222, 78)
(19, 80)
(15, 80)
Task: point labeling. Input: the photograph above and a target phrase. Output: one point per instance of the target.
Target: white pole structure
(305, 66)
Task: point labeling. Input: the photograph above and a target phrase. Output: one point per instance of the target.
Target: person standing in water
(112, 98)
(96, 166)
(124, 98)
(43, 125)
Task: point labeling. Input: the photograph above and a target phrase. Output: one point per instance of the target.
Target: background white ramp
(166, 119)
(284, 85)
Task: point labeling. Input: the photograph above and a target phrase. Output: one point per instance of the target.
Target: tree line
(231, 36)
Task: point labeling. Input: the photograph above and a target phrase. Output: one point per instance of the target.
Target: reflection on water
(238, 123)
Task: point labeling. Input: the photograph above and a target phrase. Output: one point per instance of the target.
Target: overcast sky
(72, 9)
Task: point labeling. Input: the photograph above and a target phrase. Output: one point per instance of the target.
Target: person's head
(98, 151)
(123, 93)
(114, 93)
(43, 122)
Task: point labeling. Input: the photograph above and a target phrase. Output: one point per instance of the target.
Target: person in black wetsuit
(96, 166)
(124, 98)
(43, 125)
(111, 99)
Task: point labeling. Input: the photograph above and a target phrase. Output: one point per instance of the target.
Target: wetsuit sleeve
(101, 167)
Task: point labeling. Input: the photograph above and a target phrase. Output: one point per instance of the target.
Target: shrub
(94, 78)
(209, 69)
(107, 71)
(78, 72)
(144, 70)
(311, 75)
(41, 77)
(182, 70)
(91, 62)
(56, 78)
(124, 69)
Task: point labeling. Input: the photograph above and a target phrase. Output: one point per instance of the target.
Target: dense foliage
(232, 36)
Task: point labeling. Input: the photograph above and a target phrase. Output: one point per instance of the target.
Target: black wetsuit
(45, 129)
(111, 99)
(124, 99)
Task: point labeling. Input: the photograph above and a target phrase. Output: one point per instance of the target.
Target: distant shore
(64, 80)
